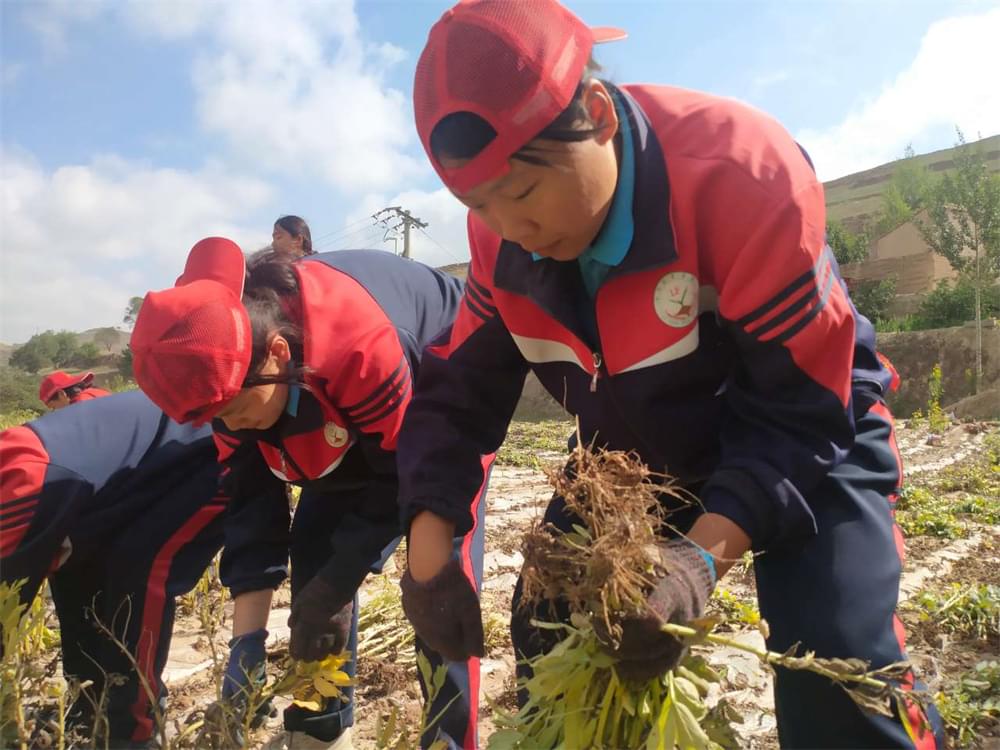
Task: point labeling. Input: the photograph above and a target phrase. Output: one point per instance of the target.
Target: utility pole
(405, 220)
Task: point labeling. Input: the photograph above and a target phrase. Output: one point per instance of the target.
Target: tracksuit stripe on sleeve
(361, 408)
(481, 290)
(397, 382)
(476, 311)
(399, 399)
(794, 328)
(762, 312)
(480, 300)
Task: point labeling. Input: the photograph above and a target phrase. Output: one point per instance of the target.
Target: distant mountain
(117, 346)
(856, 199)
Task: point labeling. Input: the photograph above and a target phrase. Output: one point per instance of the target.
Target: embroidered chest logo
(676, 299)
(336, 436)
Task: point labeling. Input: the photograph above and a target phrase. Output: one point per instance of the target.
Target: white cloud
(81, 239)
(951, 81)
(52, 19)
(293, 89)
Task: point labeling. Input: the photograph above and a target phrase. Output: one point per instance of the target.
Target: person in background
(657, 257)
(291, 237)
(305, 368)
(60, 389)
(118, 507)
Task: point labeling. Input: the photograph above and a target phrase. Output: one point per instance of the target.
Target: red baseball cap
(515, 64)
(59, 381)
(192, 343)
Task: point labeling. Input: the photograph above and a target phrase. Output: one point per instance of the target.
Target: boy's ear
(600, 107)
(279, 349)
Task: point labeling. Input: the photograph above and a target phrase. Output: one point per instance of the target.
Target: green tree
(125, 363)
(106, 337)
(953, 303)
(19, 391)
(36, 353)
(86, 355)
(906, 194)
(29, 358)
(847, 247)
(67, 346)
(873, 298)
(963, 225)
(912, 180)
(132, 311)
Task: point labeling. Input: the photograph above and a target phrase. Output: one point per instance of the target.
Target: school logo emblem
(335, 435)
(676, 299)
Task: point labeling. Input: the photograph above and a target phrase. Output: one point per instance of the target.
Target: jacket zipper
(598, 361)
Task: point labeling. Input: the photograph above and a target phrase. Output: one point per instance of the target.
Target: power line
(446, 250)
(336, 240)
(374, 235)
(340, 231)
(406, 221)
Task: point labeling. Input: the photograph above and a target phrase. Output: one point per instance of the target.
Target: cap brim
(604, 34)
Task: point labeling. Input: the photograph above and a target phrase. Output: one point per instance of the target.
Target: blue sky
(132, 129)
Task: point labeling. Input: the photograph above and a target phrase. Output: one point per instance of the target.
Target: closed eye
(526, 193)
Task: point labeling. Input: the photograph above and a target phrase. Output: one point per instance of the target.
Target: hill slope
(856, 198)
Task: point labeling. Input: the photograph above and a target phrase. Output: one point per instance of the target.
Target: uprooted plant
(603, 569)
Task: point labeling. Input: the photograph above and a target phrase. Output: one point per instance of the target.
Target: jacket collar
(556, 286)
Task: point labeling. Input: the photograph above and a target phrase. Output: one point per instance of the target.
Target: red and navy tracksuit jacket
(119, 507)
(728, 355)
(366, 317)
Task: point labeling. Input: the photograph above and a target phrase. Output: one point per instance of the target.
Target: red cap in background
(59, 380)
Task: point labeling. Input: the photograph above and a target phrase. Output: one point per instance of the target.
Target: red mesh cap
(515, 64)
(60, 380)
(192, 343)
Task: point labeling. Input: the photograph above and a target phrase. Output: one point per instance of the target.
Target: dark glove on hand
(445, 612)
(320, 623)
(678, 596)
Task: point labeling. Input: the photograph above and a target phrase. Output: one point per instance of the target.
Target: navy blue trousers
(457, 702)
(129, 581)
(835, 594)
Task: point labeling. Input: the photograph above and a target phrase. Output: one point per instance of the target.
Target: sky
(131, 129)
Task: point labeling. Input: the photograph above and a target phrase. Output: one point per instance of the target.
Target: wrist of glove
(245, 669)
(245, 674)
(445, 612)
(320, 623)
(678, 596)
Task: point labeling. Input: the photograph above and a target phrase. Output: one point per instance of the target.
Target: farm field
(950, 600)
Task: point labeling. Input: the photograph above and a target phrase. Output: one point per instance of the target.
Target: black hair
(297, 227)
(272, 301)
(75, 390)
(462, 135)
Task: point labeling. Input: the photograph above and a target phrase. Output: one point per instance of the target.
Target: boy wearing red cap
(305, 369)
(118, 507)
(657, 257)
(60, 389)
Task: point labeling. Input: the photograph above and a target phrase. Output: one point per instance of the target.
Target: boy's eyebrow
(492, 191)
